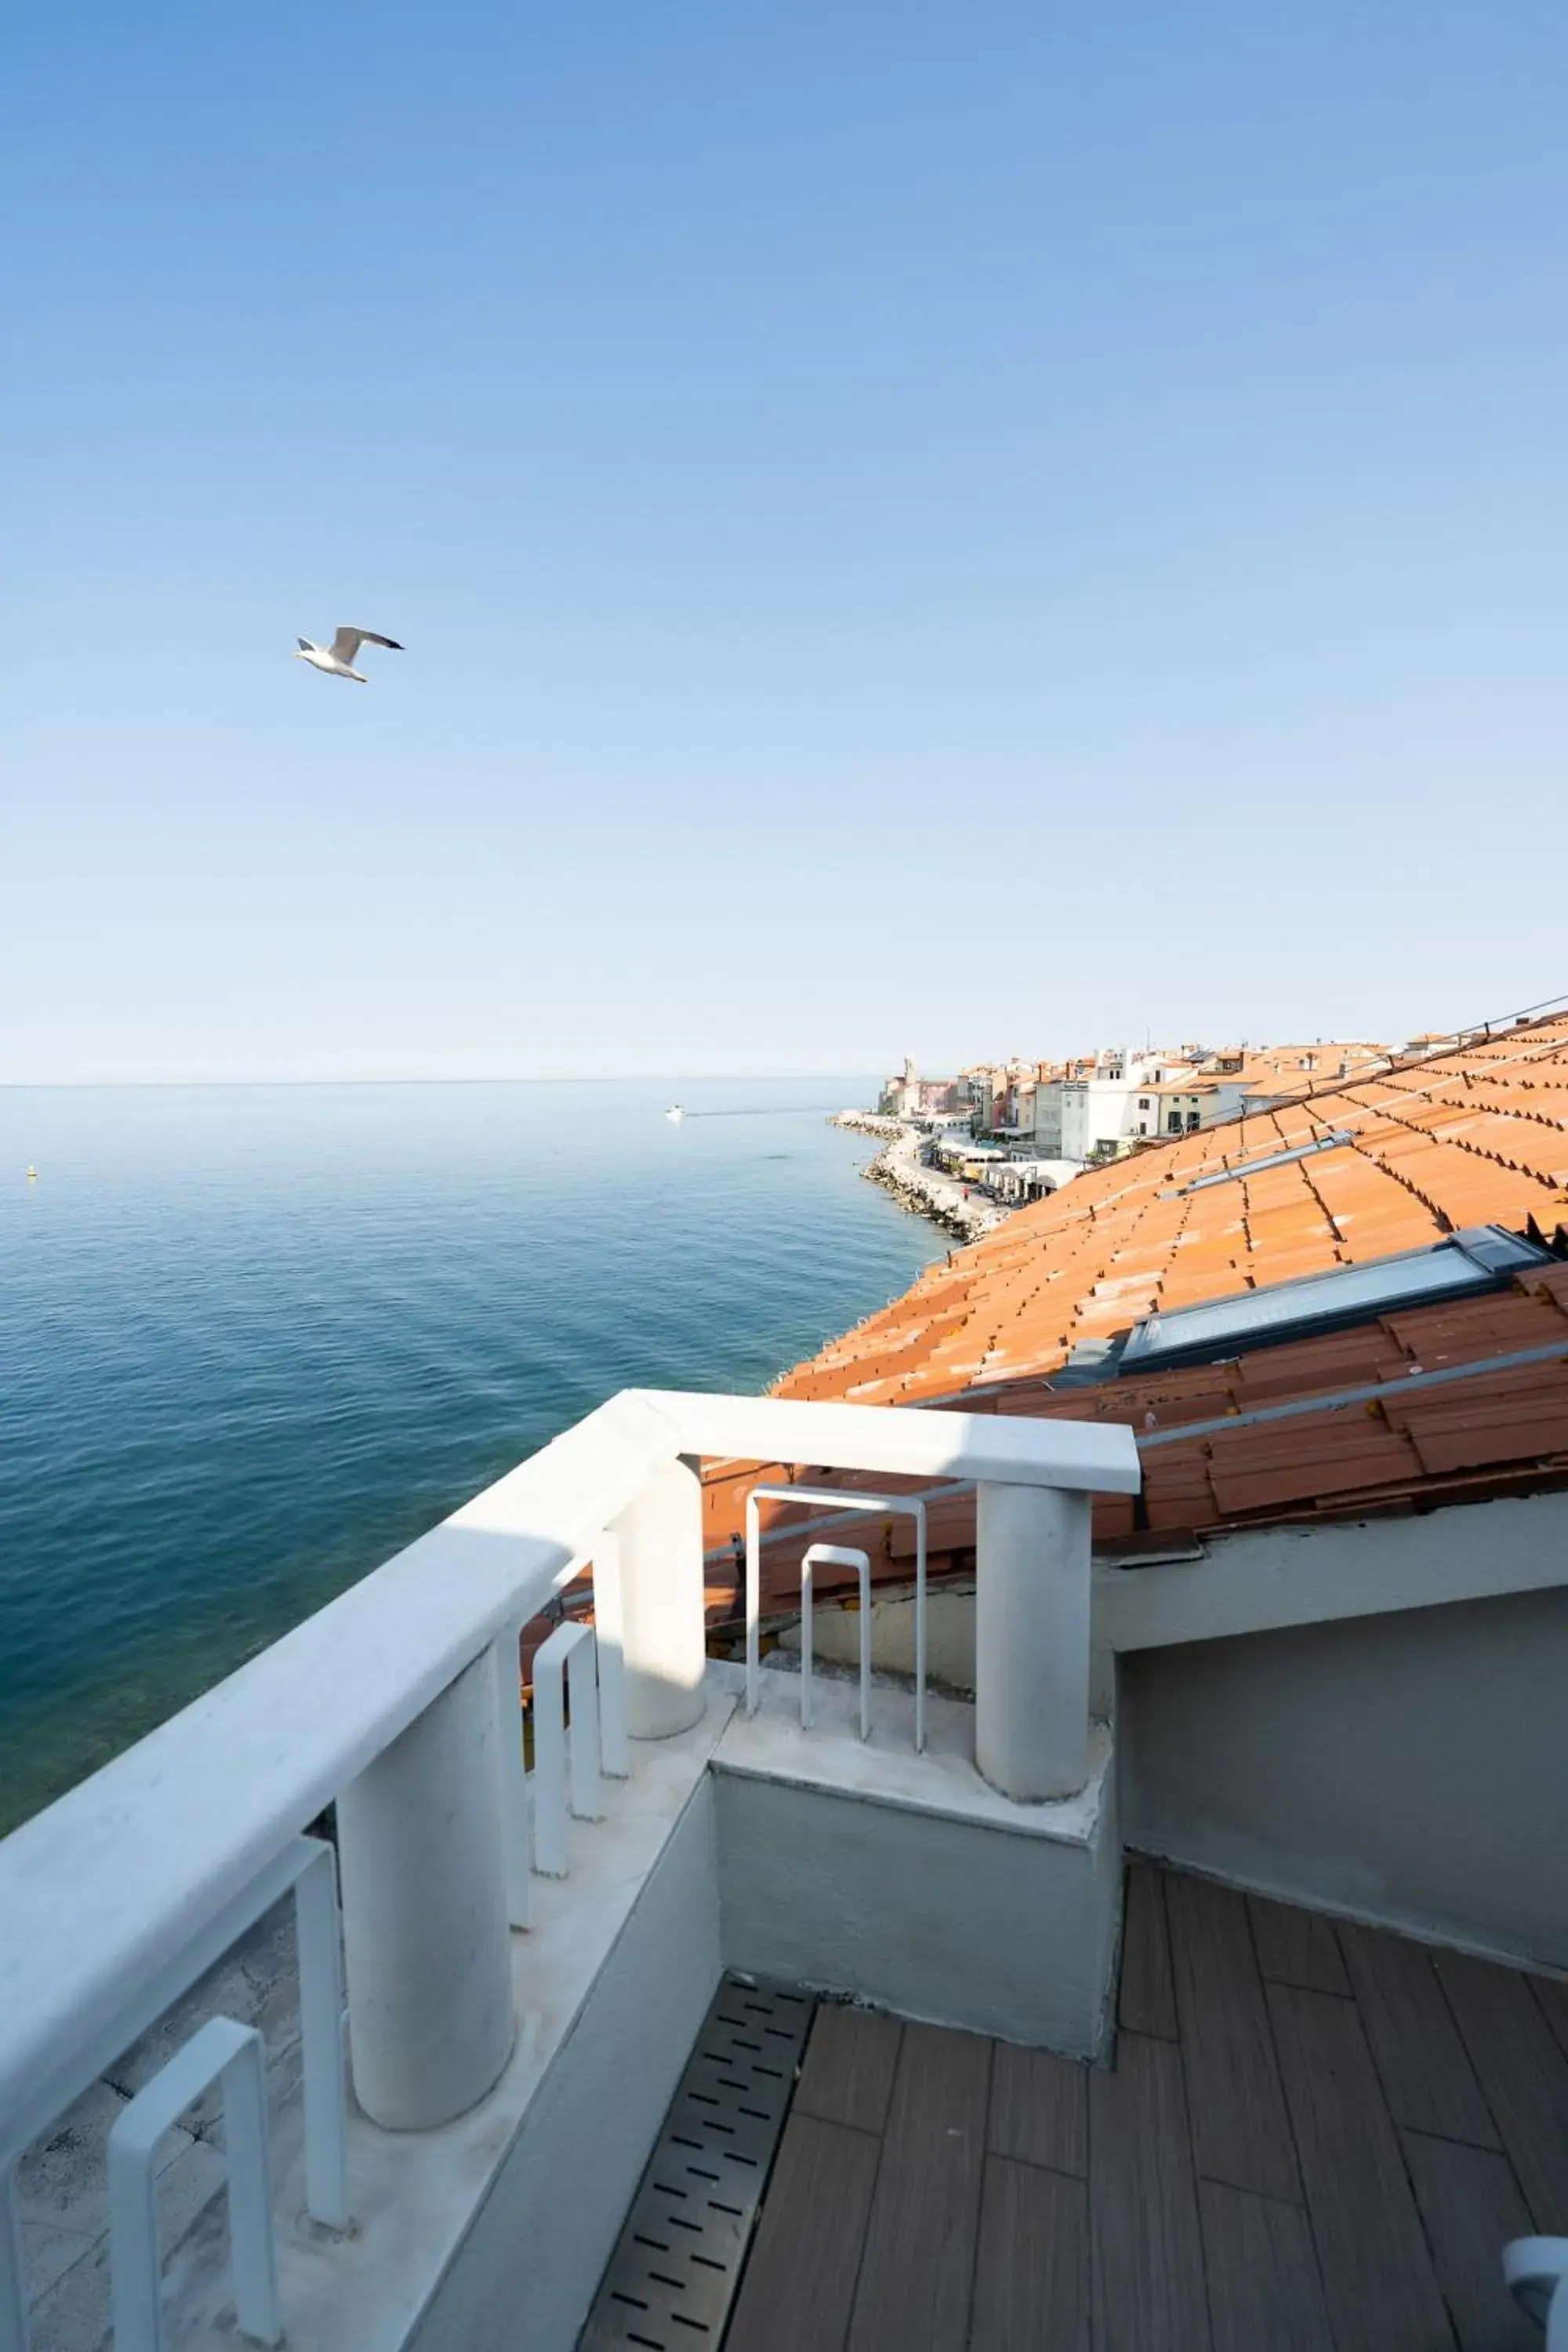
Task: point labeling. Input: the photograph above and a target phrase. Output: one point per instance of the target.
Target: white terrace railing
(399, 1703)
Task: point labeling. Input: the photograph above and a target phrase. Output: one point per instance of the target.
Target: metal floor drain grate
(672, 2277)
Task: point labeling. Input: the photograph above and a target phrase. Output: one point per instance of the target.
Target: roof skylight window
(1484, 1257)
(1334, 1142)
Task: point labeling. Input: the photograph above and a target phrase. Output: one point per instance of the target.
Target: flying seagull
(338, 659)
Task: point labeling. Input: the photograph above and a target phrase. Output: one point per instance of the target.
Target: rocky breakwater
(924, 1192)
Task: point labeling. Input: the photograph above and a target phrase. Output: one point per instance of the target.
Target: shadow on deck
(1314, 2135)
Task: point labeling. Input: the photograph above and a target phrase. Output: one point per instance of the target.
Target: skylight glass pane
(1289, 1308)
(1273, 1159)
(1436, 1274)
(1482, 1258)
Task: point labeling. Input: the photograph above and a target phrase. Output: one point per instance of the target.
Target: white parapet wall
(861, 1868)
(515, 2207)
(539, 2246)
(491, 2148)
(949, 1633)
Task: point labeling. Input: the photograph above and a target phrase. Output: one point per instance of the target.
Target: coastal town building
(1017, 1180)
(988, 1088)
(962, 1155)
(901, 1095)
(1095, 1107)
(1057, 1119)
(1039, 1105)
(1019, 1104)
(1044, 1828)
(1177, 1106)
(1080, 1119)
(908, 1095)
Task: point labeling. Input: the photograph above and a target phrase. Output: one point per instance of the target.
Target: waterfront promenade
(927, 1191)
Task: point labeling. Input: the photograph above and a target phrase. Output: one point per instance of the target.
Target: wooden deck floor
(1314, 2135)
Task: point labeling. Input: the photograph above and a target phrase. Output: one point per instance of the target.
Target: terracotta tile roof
(1503, 1430)
(1476, 1135)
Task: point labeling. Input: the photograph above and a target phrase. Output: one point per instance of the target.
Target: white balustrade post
(663, 1621)
(322, 2037)
(1031, 1640)
(608, 1648)
(506, 1656)
(565, 1763)
(821, 1555)
(221, 2050)
(422, 1838)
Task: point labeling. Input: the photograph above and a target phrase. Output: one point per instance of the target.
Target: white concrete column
(422, 1854)
(664, 1626)
(1031, 1640)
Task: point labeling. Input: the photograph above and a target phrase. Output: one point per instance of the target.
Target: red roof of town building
(1476, 1135)
(1378, 1434)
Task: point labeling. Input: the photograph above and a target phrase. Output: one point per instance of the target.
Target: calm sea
(254, 1338)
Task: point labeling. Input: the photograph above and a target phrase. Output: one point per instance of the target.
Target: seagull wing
(347, 643)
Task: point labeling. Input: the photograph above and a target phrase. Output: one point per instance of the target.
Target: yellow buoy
(32, 1175)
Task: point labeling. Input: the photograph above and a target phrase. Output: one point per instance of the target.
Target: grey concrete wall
(950, 1635)
(938, 1918)
(1409, 1767)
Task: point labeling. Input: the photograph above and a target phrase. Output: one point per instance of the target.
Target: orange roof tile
(1503, 1430)
(1476, 1135)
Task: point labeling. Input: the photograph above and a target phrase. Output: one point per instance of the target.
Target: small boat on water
(675, 1114)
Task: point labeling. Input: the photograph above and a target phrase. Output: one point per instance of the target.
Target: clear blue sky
(953, 529)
